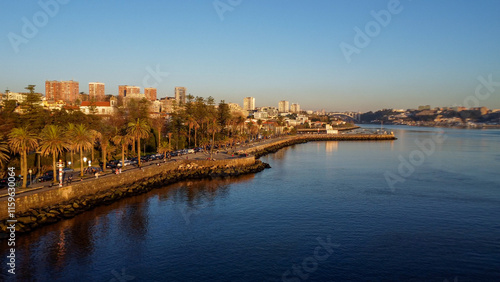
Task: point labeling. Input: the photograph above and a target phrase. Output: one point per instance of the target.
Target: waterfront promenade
(226, 154)
(110, 187)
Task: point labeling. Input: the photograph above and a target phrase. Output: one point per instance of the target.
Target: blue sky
(431, 52)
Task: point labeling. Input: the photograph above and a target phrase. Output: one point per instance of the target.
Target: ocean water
(425, 207)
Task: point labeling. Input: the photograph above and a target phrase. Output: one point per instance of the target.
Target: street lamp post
(84, 160)
(60, 165)
(31, 180)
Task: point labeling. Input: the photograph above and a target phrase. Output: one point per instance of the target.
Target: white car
(127, 162)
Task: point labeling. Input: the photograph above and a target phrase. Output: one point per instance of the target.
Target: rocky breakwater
(262, 150)
(36, 217)
(259, 151)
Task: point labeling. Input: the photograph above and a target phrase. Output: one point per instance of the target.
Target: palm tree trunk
(195, 137)
(72, 162)
(159, 137)
(189, 136)
(39, 156)
(123, 155)
(54, 168)
(103, 157)
(24, 168)
(81, 163)
(139, 151)
(213, 140)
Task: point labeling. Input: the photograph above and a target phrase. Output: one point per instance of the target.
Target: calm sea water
(324, 212)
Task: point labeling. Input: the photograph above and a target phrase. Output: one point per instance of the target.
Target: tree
(223, 115)
(139, 129)
(52, 143)
(4, 151)
(81, 142)
(70, 131)
(164, 148)
(158, 123)
(22, 141)
(123, 141)
(32, 99)
(214, 129)
(104, 137)
(191, 124)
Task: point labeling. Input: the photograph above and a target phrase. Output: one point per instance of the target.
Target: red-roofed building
(98, 108)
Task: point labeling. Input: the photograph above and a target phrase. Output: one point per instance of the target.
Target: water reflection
(331, 146)
(55, 246)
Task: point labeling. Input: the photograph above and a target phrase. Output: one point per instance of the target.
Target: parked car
(47, 176)
(126, 163)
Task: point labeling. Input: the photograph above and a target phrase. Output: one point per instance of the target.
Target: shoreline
(38, 208)
(484, 127)
(266, 149)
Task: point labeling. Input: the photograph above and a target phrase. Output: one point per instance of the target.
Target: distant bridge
(349, 115)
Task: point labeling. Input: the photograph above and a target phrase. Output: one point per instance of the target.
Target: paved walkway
(223, 154)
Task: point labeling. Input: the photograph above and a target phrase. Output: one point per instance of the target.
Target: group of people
(91, 170)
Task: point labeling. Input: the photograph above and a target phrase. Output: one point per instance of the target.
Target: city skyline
(255, 50)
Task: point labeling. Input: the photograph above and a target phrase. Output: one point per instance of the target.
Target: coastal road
(217, 155)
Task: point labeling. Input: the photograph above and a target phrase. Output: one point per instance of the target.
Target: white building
(18, 97)
(155, 106)
(295, 108)
(180, 95)
(260, 115)
(283, 106)
(249, 103)
(236, 108)
(271, 111)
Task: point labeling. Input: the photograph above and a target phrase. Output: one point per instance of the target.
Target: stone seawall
(37, 208)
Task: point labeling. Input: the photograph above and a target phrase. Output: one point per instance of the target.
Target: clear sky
(429, 52)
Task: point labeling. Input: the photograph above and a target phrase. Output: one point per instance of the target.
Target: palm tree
(70, 130)
(215, 128)
(4, 151)
(164, 148)
(94, 135)
(139, 129)
(21, 141)
(52, 143)
(123, 141)
(104, 137)
(196, 126)
(190, 122)
(158, 124)
(82, 141)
